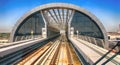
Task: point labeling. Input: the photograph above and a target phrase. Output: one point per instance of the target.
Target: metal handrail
(93, 40)
(118, 44)
(18, 42)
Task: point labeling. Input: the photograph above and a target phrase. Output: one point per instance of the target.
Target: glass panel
(33, 23)
(85, 25)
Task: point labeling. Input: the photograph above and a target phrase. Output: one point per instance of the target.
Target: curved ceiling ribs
(58, 17)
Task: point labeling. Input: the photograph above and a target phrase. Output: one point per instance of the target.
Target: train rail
(32, 57)
(58, 52)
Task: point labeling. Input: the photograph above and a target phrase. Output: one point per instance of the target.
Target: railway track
(31, 58)
(47, 56)
(58, 52)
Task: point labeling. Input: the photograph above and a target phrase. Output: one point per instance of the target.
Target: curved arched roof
(64, 5)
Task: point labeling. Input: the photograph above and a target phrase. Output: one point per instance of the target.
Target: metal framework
(58, 16)
(55, 16)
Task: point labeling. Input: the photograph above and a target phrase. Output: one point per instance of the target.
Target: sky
(107, 11)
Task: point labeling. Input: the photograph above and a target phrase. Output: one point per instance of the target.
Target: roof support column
(44, 22)
(69, 21)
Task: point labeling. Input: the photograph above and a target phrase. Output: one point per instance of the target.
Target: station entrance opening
(58, 18)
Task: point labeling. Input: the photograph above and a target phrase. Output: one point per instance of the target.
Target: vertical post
(35, 24)
(32, 33)
(95, 41)
(69, 22)
(16, 38)
(45, 23)
(77, 33)
(72, 32)
(44, 32)
(103, 44)
(89, 38)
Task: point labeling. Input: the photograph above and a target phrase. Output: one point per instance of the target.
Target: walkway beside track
(92, 53)
(12, 48)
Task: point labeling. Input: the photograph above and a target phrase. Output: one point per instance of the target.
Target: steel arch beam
(60, 5)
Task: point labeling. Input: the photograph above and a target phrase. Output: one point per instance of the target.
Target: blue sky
(107, 11)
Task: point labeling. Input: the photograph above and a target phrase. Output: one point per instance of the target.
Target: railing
(23, 41)
(96, 41)
(18, 42)
(112, 57)
(17, 38)
(4, 41)
(105, 55)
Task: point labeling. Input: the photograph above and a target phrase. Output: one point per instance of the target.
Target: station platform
(15, 46)
(92, 53)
